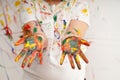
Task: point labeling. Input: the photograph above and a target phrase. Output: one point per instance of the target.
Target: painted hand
(71, 47)
(33, 46)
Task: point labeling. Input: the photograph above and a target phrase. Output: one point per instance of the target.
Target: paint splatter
(2, 23)
(17, 3)
(85, 11)
(29, 10)
(78, 31)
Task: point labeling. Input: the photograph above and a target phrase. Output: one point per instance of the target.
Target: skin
(74, 24)
(39, 30)
(75, 27)
(53, 2)
(33, 45)
(70, 47)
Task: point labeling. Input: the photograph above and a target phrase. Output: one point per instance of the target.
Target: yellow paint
(74, 1)
(84, 41)
(61, 32)
(2, 23)
(1, 15)
(67, 40)
(39, 1)
(29, 10)
(73, 49)
(62, 58)
(18, 10)
(17, 3)
(85, 11)
(17, 58)
(78, 31)
(31, 60)
(77, 58)
(29, 45)
(56, 25)
(64, 26)
(9, 18)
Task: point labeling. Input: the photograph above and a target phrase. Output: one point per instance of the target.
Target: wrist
(70, 35)
(32, 27)
(77, 27)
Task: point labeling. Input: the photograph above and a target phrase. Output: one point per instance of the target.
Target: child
(52, 37)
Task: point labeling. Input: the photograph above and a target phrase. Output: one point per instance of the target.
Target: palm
(32, 48)
(71, 47)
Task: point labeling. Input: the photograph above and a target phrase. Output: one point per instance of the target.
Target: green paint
(75, 29)
(73, 44)
(40, 38)
(68, 4)
(68, 32)
(55, 18)
(40, 22)
(33, 0)
(35, 30)
(22, 53)
(64, 41)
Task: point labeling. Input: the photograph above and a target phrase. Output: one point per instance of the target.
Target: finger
(85, 42)
(24, 62)
(83, 57)
(30, 62)
(77, 60)
(71, 61)
(29, 52)
(20, 41)
(62, 58)
(40, 57)
(32, 57)
(21, 54)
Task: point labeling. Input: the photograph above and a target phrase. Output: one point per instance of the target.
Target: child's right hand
(34, 43)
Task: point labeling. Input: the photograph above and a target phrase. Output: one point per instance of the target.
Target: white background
(104, 34)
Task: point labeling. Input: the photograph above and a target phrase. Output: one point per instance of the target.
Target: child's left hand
(71, 46)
